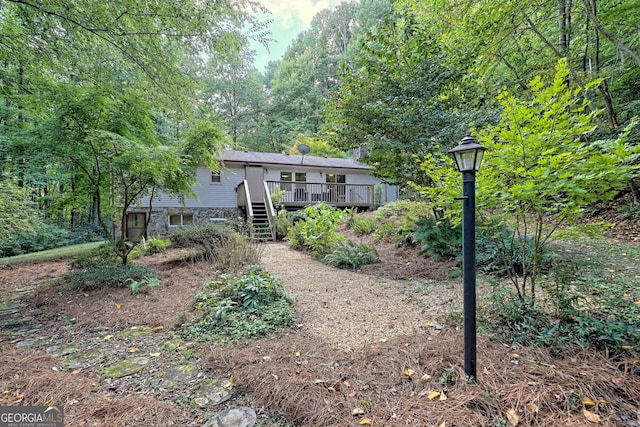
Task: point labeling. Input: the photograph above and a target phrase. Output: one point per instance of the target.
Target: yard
(381, 346)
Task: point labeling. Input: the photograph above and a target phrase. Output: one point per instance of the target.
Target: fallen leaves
(590, 416)
(513, 417)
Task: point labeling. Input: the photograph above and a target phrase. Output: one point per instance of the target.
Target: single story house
(252, 185)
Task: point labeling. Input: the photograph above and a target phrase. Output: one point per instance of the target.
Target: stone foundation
(159, 224)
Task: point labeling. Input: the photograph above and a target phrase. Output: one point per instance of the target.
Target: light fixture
(468, 154)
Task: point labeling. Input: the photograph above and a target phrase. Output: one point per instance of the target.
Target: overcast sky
(290, 17)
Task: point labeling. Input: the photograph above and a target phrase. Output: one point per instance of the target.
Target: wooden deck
(300, 194)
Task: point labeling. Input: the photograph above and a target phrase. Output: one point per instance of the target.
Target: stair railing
(271, 212)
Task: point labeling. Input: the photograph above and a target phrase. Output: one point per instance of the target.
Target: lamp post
(468, 156)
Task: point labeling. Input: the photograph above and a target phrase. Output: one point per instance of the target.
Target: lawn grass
(51, 254)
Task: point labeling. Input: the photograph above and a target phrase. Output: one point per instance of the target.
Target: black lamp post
(468, 156)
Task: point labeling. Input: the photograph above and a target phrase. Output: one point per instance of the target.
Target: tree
(115, 156)
(83, 80)
(404, 100)
(539, 173)
(17, 215)
(318, 146)
(235, 90)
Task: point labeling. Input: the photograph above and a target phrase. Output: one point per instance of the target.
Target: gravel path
(349, 309)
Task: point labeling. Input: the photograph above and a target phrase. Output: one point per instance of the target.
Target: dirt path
(350, 309)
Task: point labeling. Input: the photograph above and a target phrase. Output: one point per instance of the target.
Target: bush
(220, 244)
(45, 236)
(254, 304)
(438, 239)
(318, 231)
(499, 252)
(406, 211)
(364, 224)
(402, 215)
(351, 255)
(94, 273)
(153, 245)
(284, 222)
(583, 312)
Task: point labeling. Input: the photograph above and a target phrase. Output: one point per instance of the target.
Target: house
(249, 185)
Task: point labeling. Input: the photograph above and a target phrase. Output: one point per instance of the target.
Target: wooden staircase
(262, 229)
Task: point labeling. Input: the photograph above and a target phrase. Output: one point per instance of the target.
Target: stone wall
(159, 224)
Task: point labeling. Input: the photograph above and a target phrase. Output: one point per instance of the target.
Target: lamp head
(468, 154)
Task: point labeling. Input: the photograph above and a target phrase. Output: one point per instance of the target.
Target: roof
(252, 157)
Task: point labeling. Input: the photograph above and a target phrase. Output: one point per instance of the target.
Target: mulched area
(409, 380)
(418, 380)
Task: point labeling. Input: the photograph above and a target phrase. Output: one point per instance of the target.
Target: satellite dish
(304, 149)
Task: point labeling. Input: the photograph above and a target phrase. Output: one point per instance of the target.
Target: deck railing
(298, 194)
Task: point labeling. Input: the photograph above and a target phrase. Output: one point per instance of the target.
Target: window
(178, 220)
(335, 178)
(301, 177)
(286, 177)
(215, 178)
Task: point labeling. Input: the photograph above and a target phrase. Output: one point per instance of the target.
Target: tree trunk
(596, 22)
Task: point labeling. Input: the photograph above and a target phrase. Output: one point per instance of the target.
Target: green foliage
(351, 255)
(153, 245)
(254, 304)
(44, 236)
(219, 244)
(284, 222)
(588, 312)
(500, 252)
(319, 147)
(318, 231)
(94, 273)
(17, 213)
(406, 212)
(538, 172)
(143, 285)
(397, 220)
(364, 224)
(438, 239)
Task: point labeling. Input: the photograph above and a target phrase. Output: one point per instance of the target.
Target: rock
(135, 332)
(215, 390)
(126, 367)
(238, 417)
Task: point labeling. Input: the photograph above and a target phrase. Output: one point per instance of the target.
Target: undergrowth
(351, 255)
(252, 305)
(94, 273)
(220, 244)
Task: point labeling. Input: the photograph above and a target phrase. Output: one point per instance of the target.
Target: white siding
(210, 195)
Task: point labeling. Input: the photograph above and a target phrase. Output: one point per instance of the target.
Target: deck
(300, 194)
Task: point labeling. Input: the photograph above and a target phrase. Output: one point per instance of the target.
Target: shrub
(351, 255)
(254, 304)
(318, 231)
(364, 224)
(93, 273)
(407, 211)
(153, 245)
(284, 222)
(501, 253)
(586, 312)
(220, 244)
(45, 236)
(403, 215)
(438, 239)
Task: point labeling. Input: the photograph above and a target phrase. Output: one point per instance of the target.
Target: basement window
(179, 220)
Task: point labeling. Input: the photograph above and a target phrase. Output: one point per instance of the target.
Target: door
(255, 181)
(135, 226)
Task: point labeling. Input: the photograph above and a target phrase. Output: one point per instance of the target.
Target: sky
(290, 17)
